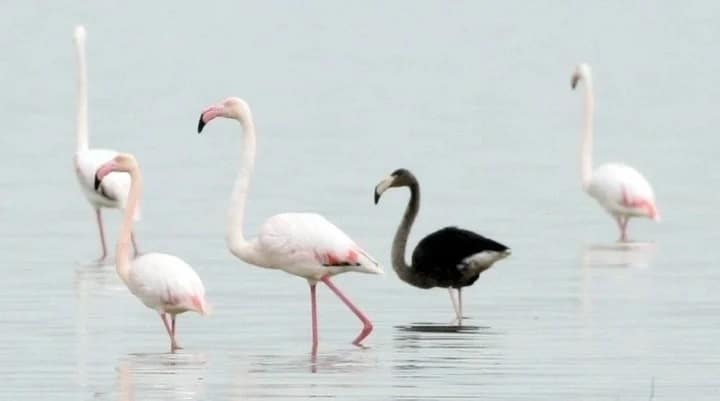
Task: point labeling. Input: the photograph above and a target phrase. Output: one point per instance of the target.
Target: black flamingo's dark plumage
(449, 258)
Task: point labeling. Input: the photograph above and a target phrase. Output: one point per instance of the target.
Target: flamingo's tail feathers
(366, 264)
(353, 259)
(653, 212)
(201, 305)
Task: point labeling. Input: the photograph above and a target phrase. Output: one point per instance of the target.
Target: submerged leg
(313, 307)
(367, 325)
(98, 216)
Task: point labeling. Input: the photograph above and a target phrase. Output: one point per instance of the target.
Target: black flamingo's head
(399, 178)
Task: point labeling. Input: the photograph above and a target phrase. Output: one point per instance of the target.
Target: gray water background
(473, 97)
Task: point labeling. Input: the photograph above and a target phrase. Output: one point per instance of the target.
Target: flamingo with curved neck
(303, 244)
(617, 187)
(162, 282)
(113, 192)
(450, 258)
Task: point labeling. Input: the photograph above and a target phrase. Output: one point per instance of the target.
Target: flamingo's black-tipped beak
(574, 81)
(201, 123)
(382, 186)
(97, 182)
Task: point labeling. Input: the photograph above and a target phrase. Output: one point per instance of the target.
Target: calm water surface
(474, 97)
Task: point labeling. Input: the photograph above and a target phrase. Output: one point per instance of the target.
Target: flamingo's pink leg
(624, 227)
(367, 325)
(170, 330)
(98, 216)
(313, 306)
(175, 345)
(163, 317)
(134, 244)
(622, 222)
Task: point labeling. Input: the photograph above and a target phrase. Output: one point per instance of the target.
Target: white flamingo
(113, 192)
(162, 282)
(303, 244)
(619, 188)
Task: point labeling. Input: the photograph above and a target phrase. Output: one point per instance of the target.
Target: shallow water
(472, 97)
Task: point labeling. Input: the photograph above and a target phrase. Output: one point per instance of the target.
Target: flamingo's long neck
(81, 119)
(587, 141)
(122, 251)
(402, 269)
(235, 239)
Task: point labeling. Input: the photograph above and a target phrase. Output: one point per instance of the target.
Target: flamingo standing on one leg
(619, 188)
(303, 244)
(162, 282)
(113, 193)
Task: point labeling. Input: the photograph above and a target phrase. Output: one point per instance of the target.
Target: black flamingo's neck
(402, 269)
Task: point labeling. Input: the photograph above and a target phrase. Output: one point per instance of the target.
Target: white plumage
(166, 284)
(113, 192)
(310, 246)
(622, 191)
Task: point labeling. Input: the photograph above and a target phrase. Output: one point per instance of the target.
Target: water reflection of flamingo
(619, 188)
(302, 244)
(162, 282)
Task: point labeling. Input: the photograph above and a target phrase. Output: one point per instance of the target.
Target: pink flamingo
(162, 282)
(303, 244)
(619, 188)
(113, 193)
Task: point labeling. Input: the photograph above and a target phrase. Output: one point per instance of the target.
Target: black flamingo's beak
(97, 182)
(574, 81)
(382, 186)
(201, 123)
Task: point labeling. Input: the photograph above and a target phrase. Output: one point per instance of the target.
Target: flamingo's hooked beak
(104, 170)
(201, 123)
(209, 114)
(575, 79)
(382, 186)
